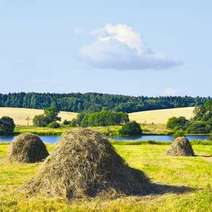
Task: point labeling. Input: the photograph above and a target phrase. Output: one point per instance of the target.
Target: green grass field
(191, 174)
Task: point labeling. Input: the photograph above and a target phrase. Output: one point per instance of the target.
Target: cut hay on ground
(27, 148)
(181, 147)
(86, 165)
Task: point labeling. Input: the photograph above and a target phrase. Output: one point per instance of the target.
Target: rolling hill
(24, 116)
(161, 116)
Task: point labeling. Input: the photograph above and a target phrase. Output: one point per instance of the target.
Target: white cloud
(120, 47)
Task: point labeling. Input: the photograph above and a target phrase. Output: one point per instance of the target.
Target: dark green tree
(50, 115)
(177, 123)
(95, 102)
(202, 121)
(54, 124)
(103, 118)
(40, 121)
(199, 127)
(131, 129)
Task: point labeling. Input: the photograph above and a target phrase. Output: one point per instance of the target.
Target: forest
(94, 102)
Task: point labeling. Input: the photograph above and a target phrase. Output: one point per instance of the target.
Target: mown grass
(191, 172)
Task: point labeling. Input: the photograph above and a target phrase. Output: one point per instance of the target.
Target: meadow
(188, 180)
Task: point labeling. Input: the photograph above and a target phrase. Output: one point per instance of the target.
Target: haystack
(27, 148)
(84, 165)
(181, 147)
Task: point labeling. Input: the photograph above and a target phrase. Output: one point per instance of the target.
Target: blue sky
(123, 47)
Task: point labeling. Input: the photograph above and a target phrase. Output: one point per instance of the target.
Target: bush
(210, 137)
(179, 133)
(7, 125)
(199, 127)
(177, 123)
(40, 121)
(66, 122)
(50, 115)
(131, 129)
(202, 122)
(54, 124)
(103, 118)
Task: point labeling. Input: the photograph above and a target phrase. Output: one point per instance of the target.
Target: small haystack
(85, 164)
(27, 148)
(181, 147)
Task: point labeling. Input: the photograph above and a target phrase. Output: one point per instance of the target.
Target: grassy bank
(109, 130)
(152, 142)
(158, 129)
(191, 175)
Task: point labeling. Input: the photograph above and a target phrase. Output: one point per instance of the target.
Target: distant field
(24, 116)
(161, 116)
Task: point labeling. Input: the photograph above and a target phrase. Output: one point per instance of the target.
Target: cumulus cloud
(120, 47)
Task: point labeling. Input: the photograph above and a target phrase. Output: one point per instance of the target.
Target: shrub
(50, 115)
(179, 133)
(177, 123)
(210, 137)
(54, 124)
(198, 127)
(40, 121)
(7, 125)
(131, 129)
(103, 118)
(66, 122)
(202, 122)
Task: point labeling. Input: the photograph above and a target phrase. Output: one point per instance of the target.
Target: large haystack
(86, 165)
(181, 147)
(27, 148)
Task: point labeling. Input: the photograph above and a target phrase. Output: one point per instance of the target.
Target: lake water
(167, 138)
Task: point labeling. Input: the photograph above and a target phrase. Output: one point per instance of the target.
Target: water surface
(168, 138)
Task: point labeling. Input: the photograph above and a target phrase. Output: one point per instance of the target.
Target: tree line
(94, 102)
(103, 118)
